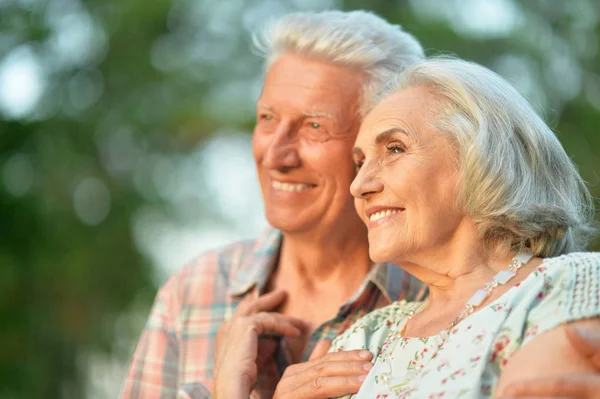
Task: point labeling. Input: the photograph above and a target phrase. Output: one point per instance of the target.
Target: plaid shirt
(174, 357)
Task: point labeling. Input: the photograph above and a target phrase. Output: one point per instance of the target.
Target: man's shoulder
(221, 261)
(188, 310)
(214, 269)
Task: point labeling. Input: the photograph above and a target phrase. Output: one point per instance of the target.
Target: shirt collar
(386, 277)
(390, 280)
(255, 269)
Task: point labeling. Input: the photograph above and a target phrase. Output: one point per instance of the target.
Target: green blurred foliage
(128, 82)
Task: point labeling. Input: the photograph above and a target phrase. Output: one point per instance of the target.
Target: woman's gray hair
(355, 39)
(517, 183)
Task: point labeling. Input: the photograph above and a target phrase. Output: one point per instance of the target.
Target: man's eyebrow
(386, 134)
(309, 114)
(263, 105)
(317, 114)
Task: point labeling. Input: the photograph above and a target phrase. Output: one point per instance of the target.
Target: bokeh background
(125, 132)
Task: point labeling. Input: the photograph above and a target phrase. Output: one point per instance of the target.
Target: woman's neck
(456, 266)
(453, 279)
(459, 274)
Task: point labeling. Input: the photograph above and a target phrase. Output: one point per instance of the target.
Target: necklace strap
(501, 278)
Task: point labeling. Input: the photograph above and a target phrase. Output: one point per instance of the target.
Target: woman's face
(408, 179)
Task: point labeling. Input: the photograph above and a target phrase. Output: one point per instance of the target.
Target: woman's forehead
(399, 110)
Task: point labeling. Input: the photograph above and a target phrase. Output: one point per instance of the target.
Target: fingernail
(363, 377)
(364, 354)
(367, 366)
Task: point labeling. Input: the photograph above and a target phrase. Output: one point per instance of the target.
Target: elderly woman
(464, 186)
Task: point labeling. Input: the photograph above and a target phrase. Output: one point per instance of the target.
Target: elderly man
(310, 272)
(313, 264)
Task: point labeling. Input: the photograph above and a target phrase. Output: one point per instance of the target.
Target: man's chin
(288, 221)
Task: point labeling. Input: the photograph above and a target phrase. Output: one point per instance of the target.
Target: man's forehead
(310, 111)
(329, 89)
(298, 70)
(311, 85)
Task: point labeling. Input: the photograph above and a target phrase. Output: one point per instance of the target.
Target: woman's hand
(325, 375)
(239, 351)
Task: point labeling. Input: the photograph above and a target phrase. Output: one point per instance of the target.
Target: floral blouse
(469, 363)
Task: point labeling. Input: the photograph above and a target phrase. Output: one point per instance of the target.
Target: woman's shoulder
(569, 269)
(562, 289)
(568, 273)
(574, 259)
(575, 270)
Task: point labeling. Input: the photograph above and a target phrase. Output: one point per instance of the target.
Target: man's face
(307, 120)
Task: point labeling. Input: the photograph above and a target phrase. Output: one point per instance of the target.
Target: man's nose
(282, 152)
(366, 182)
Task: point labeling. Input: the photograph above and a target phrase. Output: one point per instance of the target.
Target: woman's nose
(366, 182)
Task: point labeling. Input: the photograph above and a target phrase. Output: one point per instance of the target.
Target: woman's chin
(380, 255)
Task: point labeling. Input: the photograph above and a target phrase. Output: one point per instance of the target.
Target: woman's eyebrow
(386, 134)
(381, 138)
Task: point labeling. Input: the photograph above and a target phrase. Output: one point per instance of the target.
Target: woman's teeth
(382, 214)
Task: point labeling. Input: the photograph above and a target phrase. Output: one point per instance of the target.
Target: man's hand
(325, 374)
(248, 306)
(239, 352)
(581, 386)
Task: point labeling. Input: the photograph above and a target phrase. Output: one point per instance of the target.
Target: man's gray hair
(517, 182)
(357, 39)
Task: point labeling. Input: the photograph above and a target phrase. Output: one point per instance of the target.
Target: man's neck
(317, 258)
(320, 272)
(320, 275)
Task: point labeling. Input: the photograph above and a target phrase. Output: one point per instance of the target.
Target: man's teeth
(289, 186)
(382, 214)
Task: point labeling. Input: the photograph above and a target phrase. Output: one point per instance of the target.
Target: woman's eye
(315, 125)
(266, 117)
(395, 149)
(358, 164)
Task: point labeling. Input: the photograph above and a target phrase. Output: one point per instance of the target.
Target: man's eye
(358, 164)
(266, 117)
(315, 125)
